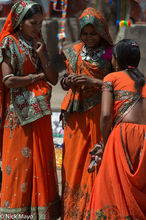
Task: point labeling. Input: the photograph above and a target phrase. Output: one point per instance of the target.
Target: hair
(127, 54)
(35, 9)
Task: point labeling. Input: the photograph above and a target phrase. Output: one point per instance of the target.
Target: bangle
(32, 77)
(6, 77)
(64, 84)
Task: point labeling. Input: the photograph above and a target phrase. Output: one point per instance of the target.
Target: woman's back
(137, 114)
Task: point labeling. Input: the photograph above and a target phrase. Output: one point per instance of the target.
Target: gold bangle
(32, 77)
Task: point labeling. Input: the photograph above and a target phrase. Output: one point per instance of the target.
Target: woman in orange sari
(119, 191)
(87, 62)
(29, 180)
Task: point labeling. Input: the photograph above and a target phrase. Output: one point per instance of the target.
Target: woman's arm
(106, 115)
(12, 81)
(50, 73)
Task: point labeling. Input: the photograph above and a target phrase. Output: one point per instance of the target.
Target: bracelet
(32, 77)
(64, 84)
(6, 77)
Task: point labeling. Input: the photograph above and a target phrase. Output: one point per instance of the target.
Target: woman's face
(31, 28)
(90, 36)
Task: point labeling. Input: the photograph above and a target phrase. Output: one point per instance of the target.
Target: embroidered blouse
(31, 102)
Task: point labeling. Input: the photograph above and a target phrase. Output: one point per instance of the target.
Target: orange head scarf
(92, 16)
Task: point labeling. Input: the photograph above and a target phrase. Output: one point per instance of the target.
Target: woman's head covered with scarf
(93, 17)
(16, 15)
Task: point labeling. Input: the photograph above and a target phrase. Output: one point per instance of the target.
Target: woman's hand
(50, 72)
(85, 80)
(39, 47)
(69, 80)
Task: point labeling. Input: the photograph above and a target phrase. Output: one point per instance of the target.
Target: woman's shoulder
(116, 76)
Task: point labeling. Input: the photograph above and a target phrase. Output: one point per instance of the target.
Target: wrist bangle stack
(6, 77)
(32, 77)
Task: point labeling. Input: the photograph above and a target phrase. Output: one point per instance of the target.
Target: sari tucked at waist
(120, 186)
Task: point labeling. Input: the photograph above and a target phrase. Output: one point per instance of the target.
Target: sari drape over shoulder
(119, 191)
(29, 180)
(82, 131)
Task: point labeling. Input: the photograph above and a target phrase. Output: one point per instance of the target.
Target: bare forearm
(22, 81)
(105, 127)
(50, 72)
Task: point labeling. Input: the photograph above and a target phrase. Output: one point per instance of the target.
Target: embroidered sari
(82, 130)
(29, 179)
(119, 191)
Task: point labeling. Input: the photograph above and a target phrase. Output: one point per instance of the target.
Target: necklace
(91, 54)
(27, 47)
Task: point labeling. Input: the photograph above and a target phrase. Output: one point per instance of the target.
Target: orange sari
(119, 191)
(82, 131)
(29, 178)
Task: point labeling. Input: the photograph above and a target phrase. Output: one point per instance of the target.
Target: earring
(20, 27)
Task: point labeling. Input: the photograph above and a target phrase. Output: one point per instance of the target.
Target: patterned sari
(119, 191)
(29, 179)
(82, 130)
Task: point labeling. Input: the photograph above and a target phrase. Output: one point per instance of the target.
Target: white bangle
(6, 77)
(32, 77)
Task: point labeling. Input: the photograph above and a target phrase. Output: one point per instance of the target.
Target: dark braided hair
(127, 54)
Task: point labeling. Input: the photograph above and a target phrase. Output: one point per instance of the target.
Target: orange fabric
(82, 67)
(82, 131)
(7, 28)
(29, 178)
(119, 192)
(29, 170)
(81, 134)
(122, 82)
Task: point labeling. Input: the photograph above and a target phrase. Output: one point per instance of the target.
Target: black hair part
(127, 54)
(35, 9)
